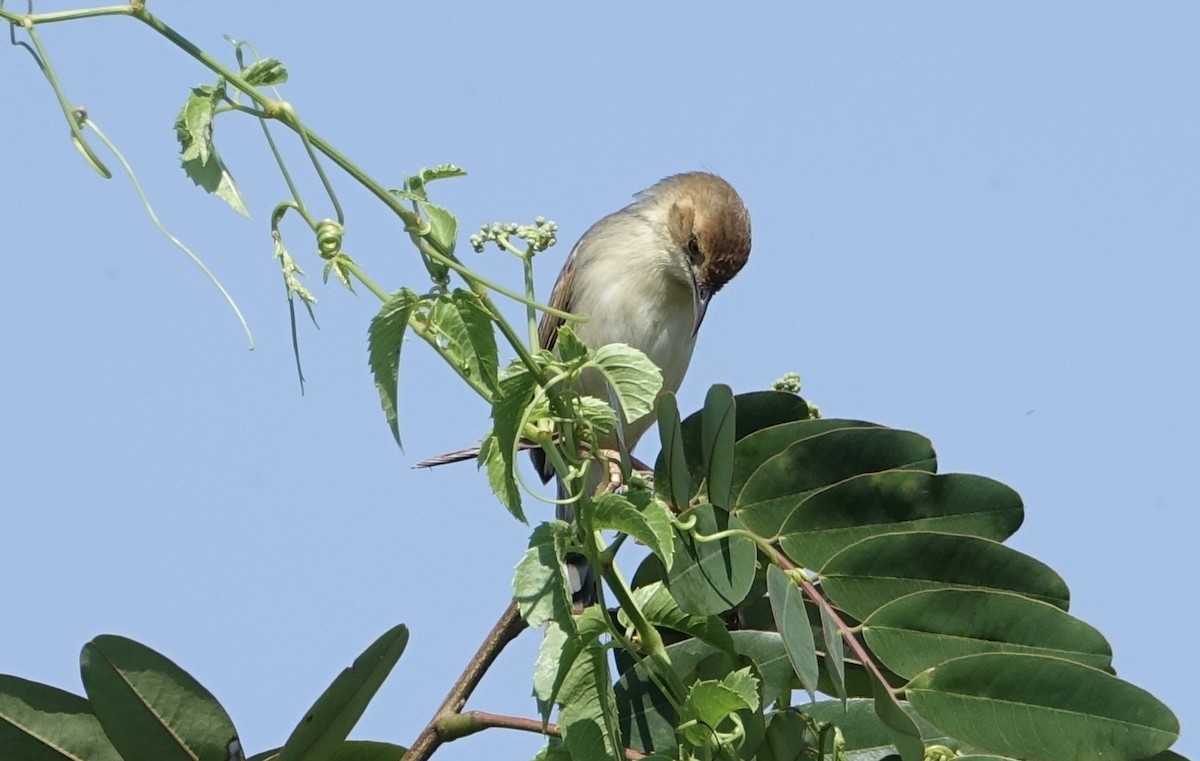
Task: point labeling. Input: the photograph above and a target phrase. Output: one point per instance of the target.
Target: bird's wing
(560, 298)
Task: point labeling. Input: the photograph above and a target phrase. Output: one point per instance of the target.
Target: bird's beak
(700, 298)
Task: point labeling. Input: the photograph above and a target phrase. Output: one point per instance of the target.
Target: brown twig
(506, 630)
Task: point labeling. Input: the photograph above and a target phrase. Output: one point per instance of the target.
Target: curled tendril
(329, 238)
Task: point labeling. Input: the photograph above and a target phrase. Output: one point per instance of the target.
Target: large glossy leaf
(755, 410)
(351, 750)
(882, 568)
(1042, 709)
(921, 630)
(672, 481)
(151, 709)
(866, 737)
(791, 620)
(759, 446)
(328, 723)
(717, 437)
(43, 723)
(710, 577)
(777, 488)
(833, 518)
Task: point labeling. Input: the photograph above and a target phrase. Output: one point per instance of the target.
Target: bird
(644, 276)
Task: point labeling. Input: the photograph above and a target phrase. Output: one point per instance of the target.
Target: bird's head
(709, 228)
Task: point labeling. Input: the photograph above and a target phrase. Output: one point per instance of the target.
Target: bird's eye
(693, 250)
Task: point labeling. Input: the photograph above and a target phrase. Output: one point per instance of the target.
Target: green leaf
(672, 480)
(864, 735)
(649, 521)
(462, 328)
(265, 72)
(515, 392)
(901, 727)
(921, 630)
(568, 345)
(661, 610)
(762, 444)
(710, 577)
(835, 657)
(540, 584)
(791, 736)
(717, 430)
(327, 724)
(791, 620)
(559, 651)
(882, 568)
(632, 376)
(833, 518)
(710, 703)
(198, 153)
(151, 709)
(588, 712)
(351, 750)
(648, 719)
(500, 475)
(384, 339)
(779, 486)
(443, 227)
(1042, 709)
(43, 723)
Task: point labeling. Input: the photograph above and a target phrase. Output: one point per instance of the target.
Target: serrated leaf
(921, 630)
(648, 719)
(540, 584)
(568, 345)
(198, 154)
(384, 339)
(43, 723)
(882, 568)
(791, 620)
(710, 577)
(265, 72)
(833, 518)
(672, 481)
(557, 655)
(328, 723)
(514, 394)
(1042, 709)
(717, 431)
(588, 712)
(780, 485)
(710, 703)
(443, 227)
(500, 475)
(462, 329)
(647, 521)
(150, 708)
(631, 375)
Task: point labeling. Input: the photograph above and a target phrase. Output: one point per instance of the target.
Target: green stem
(73, 119)
(530, 312)
(651, 641)
(371, 285)
(21, 19)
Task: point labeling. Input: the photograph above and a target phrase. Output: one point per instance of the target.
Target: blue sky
(976, 221)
